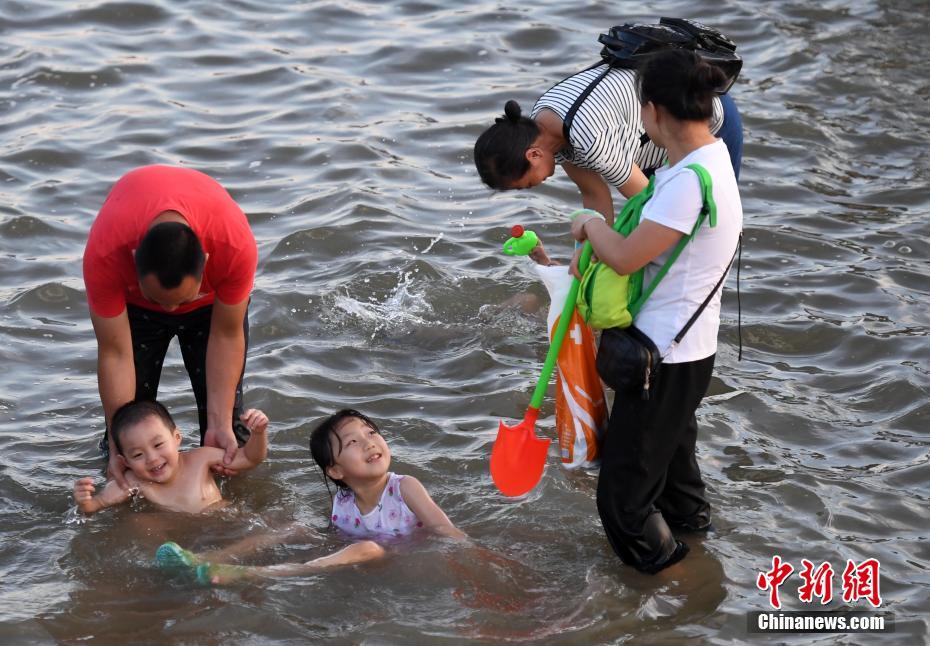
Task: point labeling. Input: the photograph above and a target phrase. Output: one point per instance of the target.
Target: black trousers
(649, 478)
(152, 333)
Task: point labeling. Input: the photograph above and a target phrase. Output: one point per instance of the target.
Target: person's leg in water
(223, 574)
(632, 475)
(172, 555)
(258, 542)
(638, 454)
(683, 503)
(151, 334)
(193, 338)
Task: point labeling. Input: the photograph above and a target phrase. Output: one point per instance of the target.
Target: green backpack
(605, 298)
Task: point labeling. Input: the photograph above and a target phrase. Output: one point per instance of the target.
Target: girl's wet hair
(500, 152)
(321, 446)
(131, 413)
(681, 82)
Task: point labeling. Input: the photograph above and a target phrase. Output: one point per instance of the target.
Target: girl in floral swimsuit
(370, 500)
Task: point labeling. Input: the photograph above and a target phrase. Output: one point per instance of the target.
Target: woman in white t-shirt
(650, 479)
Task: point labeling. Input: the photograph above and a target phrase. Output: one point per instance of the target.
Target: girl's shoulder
(398, 485)
(403, 489)
(411, 488)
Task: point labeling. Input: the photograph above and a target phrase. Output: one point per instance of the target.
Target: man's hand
(116, 469)
(222, 439)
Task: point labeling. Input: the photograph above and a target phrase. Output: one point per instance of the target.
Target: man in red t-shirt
(171, 254)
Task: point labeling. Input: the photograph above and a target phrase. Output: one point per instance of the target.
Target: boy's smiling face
(150, 450)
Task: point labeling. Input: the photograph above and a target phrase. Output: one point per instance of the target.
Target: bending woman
(605, 144)
(649, 478)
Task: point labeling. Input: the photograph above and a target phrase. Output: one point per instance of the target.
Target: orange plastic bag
(580, 404)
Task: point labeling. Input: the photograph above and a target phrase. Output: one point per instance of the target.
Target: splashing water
(403, 309)
(432, 243)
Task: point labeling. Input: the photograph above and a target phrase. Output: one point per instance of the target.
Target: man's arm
(116, 374)
(635, 184)
(225, 359)
(595, 193)
(427, 511)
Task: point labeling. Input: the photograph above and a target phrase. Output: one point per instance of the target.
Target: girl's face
(542, 166)
(364, 454)
(150, 450)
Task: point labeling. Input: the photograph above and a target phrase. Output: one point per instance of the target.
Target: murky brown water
(344, 129)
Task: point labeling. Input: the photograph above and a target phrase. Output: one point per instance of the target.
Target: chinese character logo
(861, 582)
(772, 579)
(817, 583)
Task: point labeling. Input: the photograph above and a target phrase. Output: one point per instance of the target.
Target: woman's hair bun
(500, 151)
(512, 111)
(704, 77)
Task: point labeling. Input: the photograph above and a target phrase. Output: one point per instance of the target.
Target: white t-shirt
(606, 132)
(676, 204)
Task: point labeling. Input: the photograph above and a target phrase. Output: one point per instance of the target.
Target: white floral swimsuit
(391, 517)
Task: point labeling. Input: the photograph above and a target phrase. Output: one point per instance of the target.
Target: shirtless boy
(148, 442)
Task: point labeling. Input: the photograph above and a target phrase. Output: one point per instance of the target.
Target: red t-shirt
(134, 201)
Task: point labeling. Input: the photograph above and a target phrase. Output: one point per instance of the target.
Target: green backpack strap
(709, 208)
(628, 217)
(708, 212)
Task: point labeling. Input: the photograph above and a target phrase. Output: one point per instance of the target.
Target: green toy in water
(521, 242)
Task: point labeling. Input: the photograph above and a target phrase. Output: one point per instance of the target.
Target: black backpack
(626, 45)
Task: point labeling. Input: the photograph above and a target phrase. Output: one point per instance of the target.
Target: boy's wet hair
(130, 414)
(681, 82)
(500, 151)
(171, 251)
(321, 448)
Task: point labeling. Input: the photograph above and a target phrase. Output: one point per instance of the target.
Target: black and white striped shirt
(606, 131)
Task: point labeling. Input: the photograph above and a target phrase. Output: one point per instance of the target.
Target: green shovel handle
(564, 319)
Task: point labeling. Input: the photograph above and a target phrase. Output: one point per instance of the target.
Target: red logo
(772, 579)
(817, 583)
(860, 581)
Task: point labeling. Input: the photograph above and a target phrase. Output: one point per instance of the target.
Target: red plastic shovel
(518, 456)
